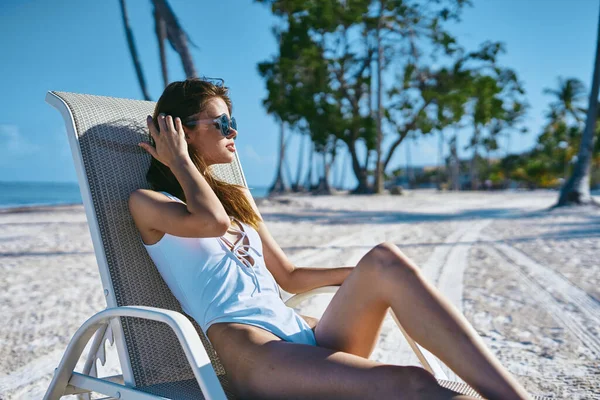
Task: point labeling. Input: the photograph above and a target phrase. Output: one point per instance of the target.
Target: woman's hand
(170, 140)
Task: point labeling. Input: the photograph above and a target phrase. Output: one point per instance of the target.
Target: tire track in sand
(444, 268)
(576, 311)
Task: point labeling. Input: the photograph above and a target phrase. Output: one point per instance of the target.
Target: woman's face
(206, 137)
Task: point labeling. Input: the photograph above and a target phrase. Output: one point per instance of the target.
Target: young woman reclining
(214, 251)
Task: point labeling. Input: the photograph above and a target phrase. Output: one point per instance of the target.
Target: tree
(278, 186)
(330, 46)
(577, 188)
(560, 136)
(378, 115)
(160, 28)
(454, 164)
(133, 51)
(568, 99)
(167, 28)
(496, 103)
(177, 37)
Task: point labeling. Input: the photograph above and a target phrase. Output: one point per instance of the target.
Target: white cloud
(13, 143)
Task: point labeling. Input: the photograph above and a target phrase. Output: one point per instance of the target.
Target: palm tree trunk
(297, 186)
(359, 171)
(455, 164)
(440, 163)
(323, 186)
(278, 185)
(577, 188)
(309, 173)
(329, 166)
(378, 166)
(177, 37)
(409, 172)
(133, 51)
(342, 175)
(161, 35)
(473, 170)
(288, 172)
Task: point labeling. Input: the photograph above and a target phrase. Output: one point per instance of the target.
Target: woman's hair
(183, 99)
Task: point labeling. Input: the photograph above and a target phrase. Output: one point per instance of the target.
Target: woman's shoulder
(145, 195)
(170, 196)
(146, 205)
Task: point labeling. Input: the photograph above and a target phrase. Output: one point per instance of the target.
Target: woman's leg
(384, 278)
(260, 365)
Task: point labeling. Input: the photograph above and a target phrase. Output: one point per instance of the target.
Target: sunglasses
(222, 122)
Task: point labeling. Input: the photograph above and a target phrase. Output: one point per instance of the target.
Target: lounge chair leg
(67, 364)
(182, 327)
(92, 357)
(430, 363)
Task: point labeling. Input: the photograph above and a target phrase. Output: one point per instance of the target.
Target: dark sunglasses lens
(224, 125)
(233, 123)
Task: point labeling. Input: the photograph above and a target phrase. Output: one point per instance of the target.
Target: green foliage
(552, 157)
(322, 81)
(568, 100)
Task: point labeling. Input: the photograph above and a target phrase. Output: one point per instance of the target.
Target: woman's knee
(387, 261)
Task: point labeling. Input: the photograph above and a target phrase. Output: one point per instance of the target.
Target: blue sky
(79, 46)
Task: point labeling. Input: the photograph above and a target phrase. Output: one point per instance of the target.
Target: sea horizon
(17, 194)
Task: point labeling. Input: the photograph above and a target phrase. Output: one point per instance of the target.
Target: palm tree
(177, 37)
(568, 99)
(133, 51)
(487, 107)
(278, 186)
(378, 115)
(167, 28)
(160, 27)
(577, 188)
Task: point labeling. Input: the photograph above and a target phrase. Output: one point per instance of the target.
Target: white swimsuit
(214, 283)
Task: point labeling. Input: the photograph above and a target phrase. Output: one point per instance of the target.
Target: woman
(211, 246)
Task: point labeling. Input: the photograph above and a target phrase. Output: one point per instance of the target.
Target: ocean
(20, 194)
(27, 194)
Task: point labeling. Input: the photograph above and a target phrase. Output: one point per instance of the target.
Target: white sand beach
(528, 279)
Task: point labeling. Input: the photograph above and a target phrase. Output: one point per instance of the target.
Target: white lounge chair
(163, 353)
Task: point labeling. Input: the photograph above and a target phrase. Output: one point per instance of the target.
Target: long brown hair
(182, 99)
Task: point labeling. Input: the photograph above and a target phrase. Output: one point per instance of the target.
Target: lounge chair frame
(108, 324)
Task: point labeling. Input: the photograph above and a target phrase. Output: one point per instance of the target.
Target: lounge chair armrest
(190, 342)
(180, 324)
(300, 297)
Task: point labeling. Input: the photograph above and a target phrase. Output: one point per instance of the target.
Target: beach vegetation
(362, 76)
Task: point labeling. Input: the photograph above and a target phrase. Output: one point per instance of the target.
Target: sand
(528, 279)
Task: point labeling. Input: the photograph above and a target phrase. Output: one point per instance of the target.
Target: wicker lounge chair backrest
(107, 133)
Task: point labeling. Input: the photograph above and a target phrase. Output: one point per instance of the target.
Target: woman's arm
(203, 215)
(303, 279)
(293, 279)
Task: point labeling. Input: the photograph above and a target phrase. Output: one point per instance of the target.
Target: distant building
(423, 177)
(426, 177)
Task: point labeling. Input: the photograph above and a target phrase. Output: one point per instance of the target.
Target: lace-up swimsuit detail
(217, 281)
(242, 251)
